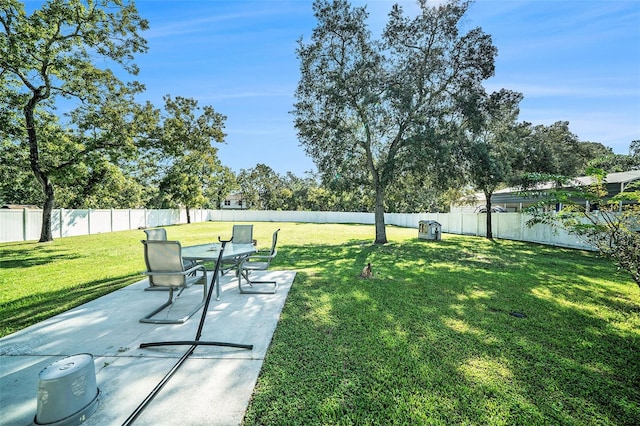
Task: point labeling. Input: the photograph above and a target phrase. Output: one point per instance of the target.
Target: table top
(210, 251)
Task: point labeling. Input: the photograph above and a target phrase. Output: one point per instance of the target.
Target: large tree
(490, 140)
(194, 181)
(261, 188)
(553, 149)
(379, 107)
(63, 52)
(188, 162)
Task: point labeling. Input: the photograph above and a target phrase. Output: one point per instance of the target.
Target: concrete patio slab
(212, 387)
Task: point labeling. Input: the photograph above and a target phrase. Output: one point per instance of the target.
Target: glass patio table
(210, 252)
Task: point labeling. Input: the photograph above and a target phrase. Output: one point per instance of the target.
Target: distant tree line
(554, 148)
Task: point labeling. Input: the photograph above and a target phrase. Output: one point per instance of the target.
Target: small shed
(429, 230)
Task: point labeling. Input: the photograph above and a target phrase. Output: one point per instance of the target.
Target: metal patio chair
(156, 234)
(160, 234)
(257, 262)
(240, 234)
(166, 269)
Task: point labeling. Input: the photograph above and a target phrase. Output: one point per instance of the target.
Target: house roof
(619, 177)
(20, 206)
(611, 179)
(614, 181)
(234, 196)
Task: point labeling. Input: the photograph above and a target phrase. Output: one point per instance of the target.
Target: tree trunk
(188, 215)
(41, 177)
(45, 233)
(381, 232)
(488, 207)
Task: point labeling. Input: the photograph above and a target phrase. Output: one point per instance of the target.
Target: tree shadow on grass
(16, 256)
(431, 339)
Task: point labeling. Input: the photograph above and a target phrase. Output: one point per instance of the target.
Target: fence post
(25, 223)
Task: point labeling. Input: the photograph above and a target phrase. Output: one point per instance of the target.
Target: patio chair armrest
(185, 272)
(266, 254)
(164, 273)
(259, 256)
(195, 268)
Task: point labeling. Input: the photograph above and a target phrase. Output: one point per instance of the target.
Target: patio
(212, 387)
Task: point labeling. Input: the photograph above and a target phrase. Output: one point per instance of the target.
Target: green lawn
(429, 340)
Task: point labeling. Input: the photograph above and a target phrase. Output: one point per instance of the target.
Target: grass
(431, 339)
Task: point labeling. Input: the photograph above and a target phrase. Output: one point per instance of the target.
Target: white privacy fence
(508, 226)
(25, 224)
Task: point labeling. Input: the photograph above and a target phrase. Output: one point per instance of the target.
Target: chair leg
(149, 317)
(244, 273)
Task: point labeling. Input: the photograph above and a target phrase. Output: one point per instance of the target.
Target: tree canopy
(53, 55)
(374, 108)
(192, 174)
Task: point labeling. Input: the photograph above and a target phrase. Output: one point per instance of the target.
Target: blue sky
(577, 61)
